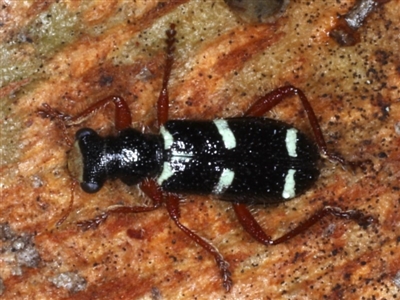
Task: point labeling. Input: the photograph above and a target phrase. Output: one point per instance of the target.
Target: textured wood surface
(71, 53)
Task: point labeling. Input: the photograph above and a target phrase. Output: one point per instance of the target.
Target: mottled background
(71, 53)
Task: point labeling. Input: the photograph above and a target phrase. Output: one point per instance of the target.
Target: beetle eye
(91, 187)
(83, 132)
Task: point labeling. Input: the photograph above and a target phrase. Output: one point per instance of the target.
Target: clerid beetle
(230, 158)
(243, 160)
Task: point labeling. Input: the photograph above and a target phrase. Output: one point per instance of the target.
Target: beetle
(245, 160)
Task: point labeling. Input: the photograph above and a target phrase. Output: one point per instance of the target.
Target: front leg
(123, 118)
(148, 186)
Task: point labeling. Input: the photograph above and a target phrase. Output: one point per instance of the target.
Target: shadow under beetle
(243, 160)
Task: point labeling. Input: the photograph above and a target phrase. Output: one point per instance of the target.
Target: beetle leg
(250, 224)
(123, 120)
(153, 191)
(148, 186)
(123, 117)
(163, 99)
(172, 203)
(268, 101)
(47, 112)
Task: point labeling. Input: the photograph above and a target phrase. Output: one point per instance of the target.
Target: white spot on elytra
(289, 189)
(168, 138)
(180, 157)
(227, 135)
(225, 180)
(291, 141)
(166, 173)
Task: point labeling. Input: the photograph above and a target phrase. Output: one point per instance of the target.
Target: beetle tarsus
(92, 223)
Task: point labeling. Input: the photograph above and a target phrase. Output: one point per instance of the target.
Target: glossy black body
(197, 155)
(131, 156)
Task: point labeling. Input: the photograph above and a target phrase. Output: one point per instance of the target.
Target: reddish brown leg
(152, 190)
(172, 202)
(262, 105)
(50, 113)
(248, 222)
(123, 120)
(163, 99)
(268, 101)
(148, 186)
(123, 117)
